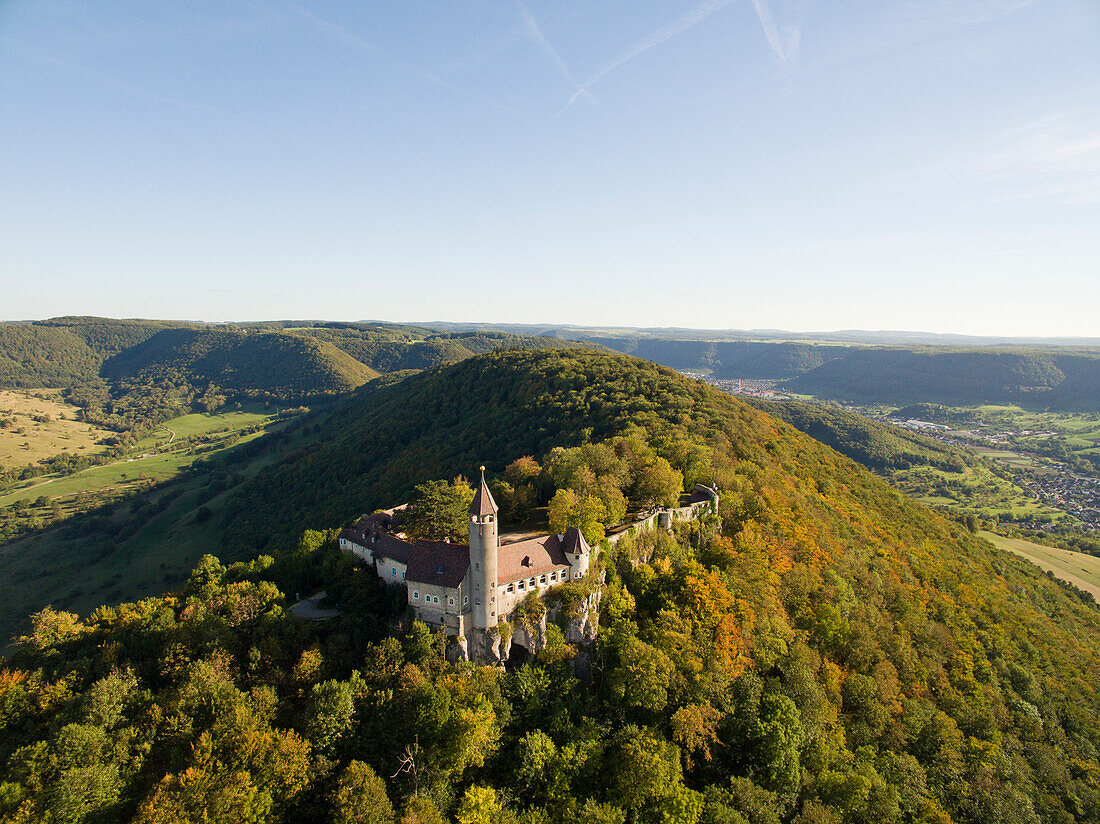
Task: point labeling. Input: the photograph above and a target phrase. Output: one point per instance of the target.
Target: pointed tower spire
(483, 503)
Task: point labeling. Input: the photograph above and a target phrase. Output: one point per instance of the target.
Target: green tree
(438, 510)
(360, 797)
(657, 484)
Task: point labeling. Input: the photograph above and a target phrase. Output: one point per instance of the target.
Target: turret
(483, 556)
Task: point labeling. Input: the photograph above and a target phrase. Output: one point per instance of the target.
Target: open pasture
(38, 423)
(203, 423)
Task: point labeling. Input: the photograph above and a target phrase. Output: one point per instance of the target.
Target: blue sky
(797, 164)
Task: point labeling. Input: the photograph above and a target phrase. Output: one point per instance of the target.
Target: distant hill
(882, 337)
(387, 353)
(1047, 377)
(1054, 378)
(256, 364)
(35, 356)
(729, 359)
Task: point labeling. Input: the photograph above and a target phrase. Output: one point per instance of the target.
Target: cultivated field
(1083, 571)
(25, 440)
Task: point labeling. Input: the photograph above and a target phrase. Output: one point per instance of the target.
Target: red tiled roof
(534, 556)
(438, 563)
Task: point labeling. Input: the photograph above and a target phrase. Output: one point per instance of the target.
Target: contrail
(770, 31)
(678, 26)
(535, 31)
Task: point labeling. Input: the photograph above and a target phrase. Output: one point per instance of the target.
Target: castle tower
(483, 556)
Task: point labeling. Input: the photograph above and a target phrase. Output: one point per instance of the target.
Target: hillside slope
(1055, 377)
(1059, 379)
(837, 653)
(729, 359)
(876, 445)
(37, 356)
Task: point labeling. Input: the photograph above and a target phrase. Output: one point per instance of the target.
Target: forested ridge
(874, 444)
(835, 653)
(1066, 378)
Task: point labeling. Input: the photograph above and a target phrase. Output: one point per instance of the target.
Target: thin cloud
(1056, 156)
(535, 31)
(354, 40)
(110, 81)
(678, 26)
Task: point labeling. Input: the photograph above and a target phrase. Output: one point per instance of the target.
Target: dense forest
(1046, 378)
(729, 359)
(828, 652)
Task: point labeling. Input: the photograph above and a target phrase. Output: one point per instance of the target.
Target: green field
(145, 466)
(1083, 571)
(188, 426)
(976, 489)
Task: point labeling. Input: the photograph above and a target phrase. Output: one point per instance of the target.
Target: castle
(463, 587)
(468, 589)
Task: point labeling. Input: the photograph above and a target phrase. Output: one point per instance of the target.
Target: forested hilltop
(836, 653)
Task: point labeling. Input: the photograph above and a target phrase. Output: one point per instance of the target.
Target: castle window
(465, 599)
(477, 601)
(435, 599)
(521, 585)
(542, 579)
(531, 583)
(402, 576)
(451, 601)
(511, 588)
(393, 571)
(477, 566)
(416, 596)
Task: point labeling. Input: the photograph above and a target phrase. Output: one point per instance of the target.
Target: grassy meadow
(38, 423)
(145, 467)
(1079, 569)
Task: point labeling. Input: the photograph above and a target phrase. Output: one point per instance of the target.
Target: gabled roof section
(438, 563)
(483, 503)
